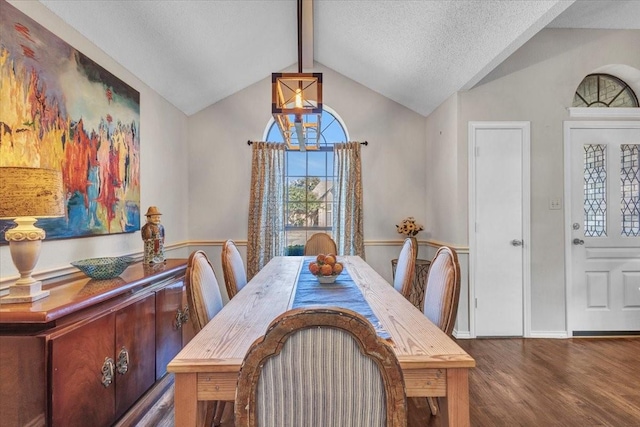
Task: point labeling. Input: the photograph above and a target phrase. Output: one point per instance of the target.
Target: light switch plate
(555, 203)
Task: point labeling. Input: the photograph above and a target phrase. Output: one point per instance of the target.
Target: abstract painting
(60, 110)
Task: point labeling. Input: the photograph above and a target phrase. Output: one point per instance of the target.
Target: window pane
(332, 131)
(630, 189)
(624, 99)
(595, 190)
(609, 89)
(296, 201)
(318, 163)
(578, 102)
(296, 215)
(295, 241)
(312, 214)
(324, 194)
(296, 163)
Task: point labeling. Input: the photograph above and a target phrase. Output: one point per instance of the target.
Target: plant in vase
(410, 228)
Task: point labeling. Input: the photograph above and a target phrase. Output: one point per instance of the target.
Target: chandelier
(296, 103)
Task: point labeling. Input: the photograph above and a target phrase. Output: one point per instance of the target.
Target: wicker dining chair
(320, 366)
(320, 243)
(405, 268)
(442, 293)
(204, 301)
(235, 276)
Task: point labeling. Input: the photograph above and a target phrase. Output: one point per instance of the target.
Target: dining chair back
(320, 366)
(442, 289)
(320, 243)
(235, 276)
(405, 268)
(203, 293)
(204, 301)
(442, 293)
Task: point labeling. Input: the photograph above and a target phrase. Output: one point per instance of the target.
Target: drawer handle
(182, 317)
(123, 361)
(107, 372)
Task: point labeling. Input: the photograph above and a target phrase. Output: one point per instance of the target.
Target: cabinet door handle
(107, 372)
(182, 317)
(123, 361)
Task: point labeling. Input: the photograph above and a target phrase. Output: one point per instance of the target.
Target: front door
(498, 229)
(603, 227)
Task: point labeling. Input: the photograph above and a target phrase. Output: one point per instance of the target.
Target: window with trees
(310, 178)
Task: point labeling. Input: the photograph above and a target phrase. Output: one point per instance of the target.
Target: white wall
(537, 84)
(393, 164)
(163, 169)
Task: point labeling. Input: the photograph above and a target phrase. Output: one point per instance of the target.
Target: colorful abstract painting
(60, 110)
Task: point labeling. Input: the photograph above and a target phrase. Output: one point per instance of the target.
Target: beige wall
(196, 169)
(535, 84)
(163, 137)
(393, 163)
(446, 205)
(446, 208)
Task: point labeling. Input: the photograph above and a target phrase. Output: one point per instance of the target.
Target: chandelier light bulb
(298, 98)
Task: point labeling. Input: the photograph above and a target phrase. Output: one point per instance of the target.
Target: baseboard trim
(462, 335)
(548, 334)
(605, 334)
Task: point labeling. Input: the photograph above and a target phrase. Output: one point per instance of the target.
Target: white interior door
(603, 227)
(499, 224)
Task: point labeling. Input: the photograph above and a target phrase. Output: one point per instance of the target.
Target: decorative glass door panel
(605, 235)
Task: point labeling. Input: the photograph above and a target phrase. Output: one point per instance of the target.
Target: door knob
(577, 241)
(516, 242)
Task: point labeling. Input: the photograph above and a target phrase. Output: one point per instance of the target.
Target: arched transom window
(602, 91)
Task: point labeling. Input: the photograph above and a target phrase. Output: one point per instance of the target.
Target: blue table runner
(343, 293)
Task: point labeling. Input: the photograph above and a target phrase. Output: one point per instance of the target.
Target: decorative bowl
(103, 268)
(327, 279)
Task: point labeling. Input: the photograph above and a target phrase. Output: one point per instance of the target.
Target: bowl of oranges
(326, 268)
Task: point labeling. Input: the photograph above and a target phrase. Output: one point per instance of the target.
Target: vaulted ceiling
(417, 53)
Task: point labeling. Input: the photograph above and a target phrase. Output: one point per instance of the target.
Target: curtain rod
(365, 143)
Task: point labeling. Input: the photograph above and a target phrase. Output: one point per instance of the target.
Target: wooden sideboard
(86, 354)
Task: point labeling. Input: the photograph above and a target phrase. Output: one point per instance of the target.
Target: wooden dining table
(207, 367)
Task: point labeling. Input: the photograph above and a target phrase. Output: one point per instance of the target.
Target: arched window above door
(603, 91)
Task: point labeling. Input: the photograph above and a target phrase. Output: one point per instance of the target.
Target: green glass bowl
(103, 268)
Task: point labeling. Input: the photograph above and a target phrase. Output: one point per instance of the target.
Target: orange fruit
(337, 268)
(326, 270)
(314, 268)
(330, 259)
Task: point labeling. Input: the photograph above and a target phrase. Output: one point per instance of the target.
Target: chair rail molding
(51, 273)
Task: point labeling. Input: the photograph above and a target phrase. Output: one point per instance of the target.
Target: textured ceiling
(417, 53)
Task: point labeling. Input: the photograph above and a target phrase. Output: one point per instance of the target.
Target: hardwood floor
(528, 382)
(541, 382)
